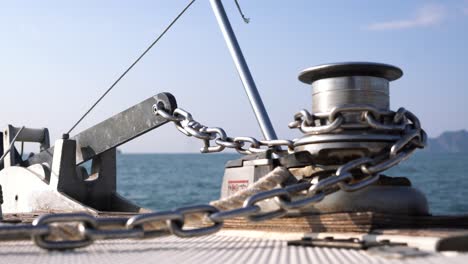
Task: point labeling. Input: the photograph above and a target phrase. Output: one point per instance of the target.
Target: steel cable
(131, 66)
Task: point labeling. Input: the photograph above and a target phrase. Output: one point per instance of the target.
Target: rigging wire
(246, 19)
(131, 66)
(12, 144)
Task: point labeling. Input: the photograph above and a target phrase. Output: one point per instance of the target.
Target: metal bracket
(350, 243)
(97, 190)
(383, 248)
(53, 180)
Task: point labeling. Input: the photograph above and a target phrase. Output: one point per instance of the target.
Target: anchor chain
(295, 196)
(401, 120)
(185, 123)
(91, 228)
(351, 176)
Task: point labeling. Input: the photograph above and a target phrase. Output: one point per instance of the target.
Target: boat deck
(225, 247)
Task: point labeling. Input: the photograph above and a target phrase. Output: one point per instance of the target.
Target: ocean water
(167, 181)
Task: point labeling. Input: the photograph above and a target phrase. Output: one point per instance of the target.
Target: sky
(58, 57)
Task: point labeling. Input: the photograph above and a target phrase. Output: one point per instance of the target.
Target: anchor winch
(351, 116)
(350, 137)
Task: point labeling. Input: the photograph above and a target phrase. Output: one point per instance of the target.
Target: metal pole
(243, 70)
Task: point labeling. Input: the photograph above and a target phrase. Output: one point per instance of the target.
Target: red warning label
(237, 185)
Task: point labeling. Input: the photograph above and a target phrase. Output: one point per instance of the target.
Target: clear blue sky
(57, 57)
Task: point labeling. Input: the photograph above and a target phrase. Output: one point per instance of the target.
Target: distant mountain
(452, 141)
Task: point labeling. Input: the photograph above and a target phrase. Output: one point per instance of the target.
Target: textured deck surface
(220, 248)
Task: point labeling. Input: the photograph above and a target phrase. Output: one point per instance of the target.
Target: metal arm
(116, 130)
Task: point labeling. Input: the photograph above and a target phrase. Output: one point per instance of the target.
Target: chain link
(174, 222)
(46, 221)
(185, 123)
(90, 228)
(352, 176)
(403, 121)
(312, 123)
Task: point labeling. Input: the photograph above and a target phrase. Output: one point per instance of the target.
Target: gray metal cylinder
(345, 98)
(330, 92)
(350, 83)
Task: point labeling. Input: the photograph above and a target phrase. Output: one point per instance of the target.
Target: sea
(167, 181)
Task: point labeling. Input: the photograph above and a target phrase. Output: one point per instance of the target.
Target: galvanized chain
(185, 123)
(91, 228)
(351, 176)
(174, 222)
(402, 121)
(348, 177)
(371, 117)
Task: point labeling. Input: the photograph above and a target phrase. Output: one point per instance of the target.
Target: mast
(243, 70)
